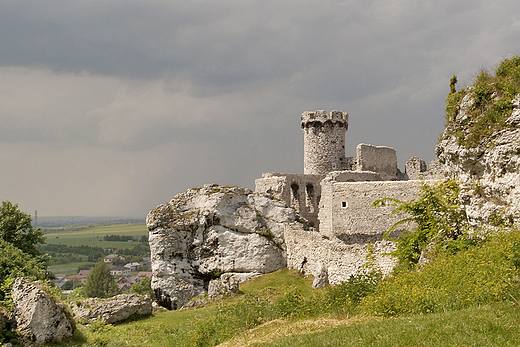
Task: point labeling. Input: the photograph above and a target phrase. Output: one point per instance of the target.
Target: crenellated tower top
(324, 141)
(310, 118)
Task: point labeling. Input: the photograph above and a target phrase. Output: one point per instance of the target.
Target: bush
(15, 263)
(478, 275)
(143, 287)
(438, 217)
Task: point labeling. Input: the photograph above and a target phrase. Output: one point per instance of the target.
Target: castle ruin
(335, 194)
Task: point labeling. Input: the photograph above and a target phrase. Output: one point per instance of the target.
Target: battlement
(320, 117)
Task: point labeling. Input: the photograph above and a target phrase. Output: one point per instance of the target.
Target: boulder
(37, 316)
(199, 303)
(213, 230)
(112, 310)
(321, 279)
(226, 285)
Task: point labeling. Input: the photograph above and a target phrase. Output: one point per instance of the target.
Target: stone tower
(323, 141)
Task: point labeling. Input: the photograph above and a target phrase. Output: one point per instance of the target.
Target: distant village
(126, 274)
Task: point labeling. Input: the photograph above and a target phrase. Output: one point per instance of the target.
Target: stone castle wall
(301, 192)
(308, 251)
(346, 210)
(380, 159)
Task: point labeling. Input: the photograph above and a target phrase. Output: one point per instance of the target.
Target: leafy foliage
(15, 263)
(100, 284)
(120, 238)
(57, 251)
(143, 287)
(492, 96)
(18, 254)
(437, 215)
(16, 228)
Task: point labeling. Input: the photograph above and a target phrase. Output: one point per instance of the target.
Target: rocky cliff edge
(207, 231)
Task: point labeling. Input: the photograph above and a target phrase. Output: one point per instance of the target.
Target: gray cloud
(118, 105)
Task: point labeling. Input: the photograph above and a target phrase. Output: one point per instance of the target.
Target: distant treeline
(141, 250)
(57, 251)
(124, 238)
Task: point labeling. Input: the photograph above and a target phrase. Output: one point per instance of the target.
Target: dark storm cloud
(138, 100)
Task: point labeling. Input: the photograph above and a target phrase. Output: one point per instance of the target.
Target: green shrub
(290, 304)
(15, 263)
(143, 287)
(438, 217)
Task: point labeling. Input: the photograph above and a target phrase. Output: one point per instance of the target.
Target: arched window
(309, 201)
(295, 196)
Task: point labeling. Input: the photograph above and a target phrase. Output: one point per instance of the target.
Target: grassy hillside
(464, 299)
(489, 325)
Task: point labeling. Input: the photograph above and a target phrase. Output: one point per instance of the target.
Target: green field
(92, 234)
(67, 269)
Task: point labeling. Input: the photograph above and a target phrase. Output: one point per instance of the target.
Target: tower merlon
(310, 118)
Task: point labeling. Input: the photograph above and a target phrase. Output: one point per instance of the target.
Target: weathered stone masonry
(335, 195)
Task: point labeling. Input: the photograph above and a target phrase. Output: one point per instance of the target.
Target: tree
(100, 284)
(143, 287)
(15, 263)
(16, 228)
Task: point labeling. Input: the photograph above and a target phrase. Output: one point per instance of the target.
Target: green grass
(489, 325)
(187, 328)
(68, 269)
(485, 273)
(467, 299)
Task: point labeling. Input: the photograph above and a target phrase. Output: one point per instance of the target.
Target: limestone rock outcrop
(211, 230)
(112, 310)
(224, 286)
(37, 316)
(489, 172)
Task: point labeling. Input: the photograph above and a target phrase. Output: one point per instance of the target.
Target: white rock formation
(224, 286)
(112, 310)
(489, 172)
(211, 230)
(37, 316)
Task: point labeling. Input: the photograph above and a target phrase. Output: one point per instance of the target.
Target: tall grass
(481, 274)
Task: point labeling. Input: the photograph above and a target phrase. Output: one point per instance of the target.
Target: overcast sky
(109, 108)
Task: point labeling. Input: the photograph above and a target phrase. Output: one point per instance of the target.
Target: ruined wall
(380, 159)
(308, 251)
(345, 207)
(301, 192)
(324, 141)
